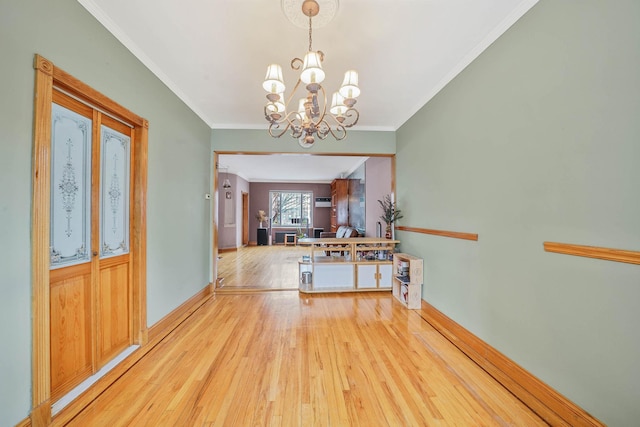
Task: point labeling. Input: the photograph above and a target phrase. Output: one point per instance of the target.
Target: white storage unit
(351, 264)
(407, 280)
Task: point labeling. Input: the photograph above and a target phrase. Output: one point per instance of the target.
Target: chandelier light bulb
(337, 104)
(273, 82)
(349, 88)
(312, 71)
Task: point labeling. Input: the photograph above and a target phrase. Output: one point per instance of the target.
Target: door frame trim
(245, 218)
(48, 76)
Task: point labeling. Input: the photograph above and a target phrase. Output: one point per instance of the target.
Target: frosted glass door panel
(70, 187)
(114, 193)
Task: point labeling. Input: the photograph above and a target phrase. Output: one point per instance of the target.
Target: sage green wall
(259, 141)
(179, 170)
(538, 140)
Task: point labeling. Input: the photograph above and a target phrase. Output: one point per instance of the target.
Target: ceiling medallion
(311, 118)
(328, 9)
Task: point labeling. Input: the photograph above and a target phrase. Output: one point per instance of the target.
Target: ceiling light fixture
(312, 118)
(226, 184)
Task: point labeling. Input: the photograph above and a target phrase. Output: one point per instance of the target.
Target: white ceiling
(288, 167)
(213, 55)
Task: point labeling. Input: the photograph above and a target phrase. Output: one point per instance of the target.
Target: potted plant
(261, 216)
(390, 213)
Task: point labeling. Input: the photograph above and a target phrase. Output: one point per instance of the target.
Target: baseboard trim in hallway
(550, 405)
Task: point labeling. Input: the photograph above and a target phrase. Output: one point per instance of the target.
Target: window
(290, 208)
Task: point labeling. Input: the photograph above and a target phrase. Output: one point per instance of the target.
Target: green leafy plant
(390, 212)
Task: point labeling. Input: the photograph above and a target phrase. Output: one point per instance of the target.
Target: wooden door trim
(245, 218)
(48, 77)
(214, 216)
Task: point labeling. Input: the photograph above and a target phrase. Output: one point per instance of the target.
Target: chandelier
(311, 119)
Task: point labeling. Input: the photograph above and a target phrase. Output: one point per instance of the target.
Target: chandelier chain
(309, 32)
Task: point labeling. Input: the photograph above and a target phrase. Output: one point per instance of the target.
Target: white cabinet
(374, 276)
(367, 276)
(385, 275)
(333, 276)
(352, 264)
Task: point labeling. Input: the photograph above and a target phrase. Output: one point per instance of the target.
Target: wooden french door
(90, 227)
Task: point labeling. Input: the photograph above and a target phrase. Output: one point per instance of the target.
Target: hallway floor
(288, 359)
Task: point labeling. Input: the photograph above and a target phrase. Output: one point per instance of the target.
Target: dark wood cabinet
(339, 203)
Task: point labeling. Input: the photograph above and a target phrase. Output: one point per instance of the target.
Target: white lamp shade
(273, 82)
(337, 104)
(349, 88)
(312, 69)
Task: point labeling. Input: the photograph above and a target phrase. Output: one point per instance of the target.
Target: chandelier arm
(339, 133)
(267, 115)
(289, 120)
(276, 125)
(293, 92)
(296, 132)
(323, 129)
(351, 114)
(296, 64)
(296, 123)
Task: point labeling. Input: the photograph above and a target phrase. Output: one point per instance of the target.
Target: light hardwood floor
(261, 267)
(288, 359)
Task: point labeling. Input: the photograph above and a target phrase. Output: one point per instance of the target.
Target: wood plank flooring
(287, 359)
(261, 267)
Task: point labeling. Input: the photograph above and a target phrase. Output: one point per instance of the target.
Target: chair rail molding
(609, 254)
(443, 233)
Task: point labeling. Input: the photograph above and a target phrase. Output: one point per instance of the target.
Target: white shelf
(408, 289)
(341, 265)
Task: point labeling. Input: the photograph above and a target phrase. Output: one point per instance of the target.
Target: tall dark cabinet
(339, 203)
(263, 239)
